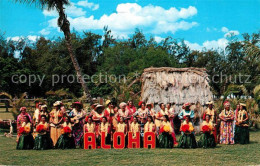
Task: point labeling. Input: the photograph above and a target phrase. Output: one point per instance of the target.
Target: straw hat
(121, 105)
(108, 102)
(57, 103)
(210, 102)
(99, 106)
(44, 106)
(243, 104)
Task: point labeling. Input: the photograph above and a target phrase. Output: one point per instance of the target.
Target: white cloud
(31, 38)
(87, 4)
(158, 39)
(44, 32)
(212, 44)
(128, 16)
(220, 43)
(229, 33)
(224, 29)
(71, 10)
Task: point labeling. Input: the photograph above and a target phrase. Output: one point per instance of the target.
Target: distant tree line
(110, 56)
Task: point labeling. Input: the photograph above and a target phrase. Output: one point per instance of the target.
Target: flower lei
(90, 128)
(104, 128)
(121, 127)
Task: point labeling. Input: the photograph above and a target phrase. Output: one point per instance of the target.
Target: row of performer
(103, 127)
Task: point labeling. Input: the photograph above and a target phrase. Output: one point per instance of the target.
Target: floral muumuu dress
(226, 127)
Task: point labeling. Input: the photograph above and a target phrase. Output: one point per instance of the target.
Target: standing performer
(171, 114)
(20, 120)
(56, 119)
(25, 140)
(207, 139)
(150, 110)
(36, 114)
(43, 140)
(123, 112)
(213, 118)
(142, 111)
(66, 140)
(44, 112)
(109, 111)
(241, 130)
(226, 125)
(77, 118)
(186, 111)
(130, 107)
(159, 116)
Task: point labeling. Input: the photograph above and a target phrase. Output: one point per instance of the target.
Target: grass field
(5, 115)
(221, 155)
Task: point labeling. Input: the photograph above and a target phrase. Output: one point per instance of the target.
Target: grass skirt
(25, 142)
(187, 141)
(207, 140)
(43, 142)
(241, 135)
(165, 140)
(65, 142)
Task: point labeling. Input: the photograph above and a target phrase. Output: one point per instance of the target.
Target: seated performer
(25, 141)
(20, 120)
(43, 140)
(106, 128)
(89, 127)
(134, 127)
(187, 139)
(165, 134)
(207, 139)
(122, 127)
(66, 140)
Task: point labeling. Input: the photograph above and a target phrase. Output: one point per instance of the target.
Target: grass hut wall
(175, 85)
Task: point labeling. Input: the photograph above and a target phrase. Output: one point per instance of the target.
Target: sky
(202, 24)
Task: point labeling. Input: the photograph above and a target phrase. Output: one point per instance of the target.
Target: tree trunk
(64, 25)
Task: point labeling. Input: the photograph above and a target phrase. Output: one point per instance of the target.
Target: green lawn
(5, 115)
(223, 154)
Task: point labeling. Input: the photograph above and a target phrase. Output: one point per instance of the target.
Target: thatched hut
(175, 85)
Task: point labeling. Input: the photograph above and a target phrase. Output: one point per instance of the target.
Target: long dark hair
(150, 118)
(166, 117)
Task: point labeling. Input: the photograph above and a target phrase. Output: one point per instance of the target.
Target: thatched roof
(175, 85)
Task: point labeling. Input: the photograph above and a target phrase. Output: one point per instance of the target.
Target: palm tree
(64, 25)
